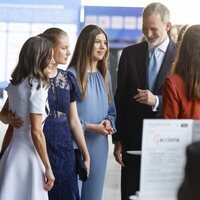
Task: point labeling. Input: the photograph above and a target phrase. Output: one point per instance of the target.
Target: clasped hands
(105, 128)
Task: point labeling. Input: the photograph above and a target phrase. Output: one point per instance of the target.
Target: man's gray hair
(157, 8)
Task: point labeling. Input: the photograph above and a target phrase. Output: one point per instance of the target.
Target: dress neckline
(55, 75)
(96, 72)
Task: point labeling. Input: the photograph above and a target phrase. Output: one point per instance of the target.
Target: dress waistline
(51, 118)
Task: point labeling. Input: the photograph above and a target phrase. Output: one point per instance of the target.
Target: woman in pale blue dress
(96, 108)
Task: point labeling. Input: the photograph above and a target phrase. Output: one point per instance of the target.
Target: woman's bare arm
(40, 145)
(9, 117)
(78, 135)
(4, 113)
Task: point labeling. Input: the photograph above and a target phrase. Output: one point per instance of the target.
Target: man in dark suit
(135, 99)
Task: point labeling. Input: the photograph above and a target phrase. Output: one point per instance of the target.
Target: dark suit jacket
(189, 189)
(132, 74)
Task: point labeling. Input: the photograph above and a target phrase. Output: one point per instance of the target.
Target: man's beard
(157, 42)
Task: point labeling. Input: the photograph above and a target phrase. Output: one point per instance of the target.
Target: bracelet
(84, 124)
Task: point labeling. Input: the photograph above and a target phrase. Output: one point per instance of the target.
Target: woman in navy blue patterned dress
(63, 120)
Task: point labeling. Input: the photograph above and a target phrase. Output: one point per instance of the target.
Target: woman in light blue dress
(96, 108)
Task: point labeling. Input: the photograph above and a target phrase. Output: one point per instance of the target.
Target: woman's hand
(87, 167)
(49, 179)
(104, 128)
(14, 120)
(108, 126)
(100, 129)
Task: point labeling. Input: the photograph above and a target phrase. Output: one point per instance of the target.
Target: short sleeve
(75, 94)
(38, 98)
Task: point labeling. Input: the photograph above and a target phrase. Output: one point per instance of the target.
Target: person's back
(20, 100)
(189, 189)
(181, 96)
(176, 105)
(24, 166)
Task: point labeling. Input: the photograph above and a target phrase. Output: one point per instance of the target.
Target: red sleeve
(170, 99)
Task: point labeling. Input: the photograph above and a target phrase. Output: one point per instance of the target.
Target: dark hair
(189, 189)
(81, 57)
(187, 64)
(34, 57)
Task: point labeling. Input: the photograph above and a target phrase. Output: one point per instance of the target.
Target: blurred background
(20, 19)
(121, 20)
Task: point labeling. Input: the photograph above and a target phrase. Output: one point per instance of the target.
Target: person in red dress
(181, 91)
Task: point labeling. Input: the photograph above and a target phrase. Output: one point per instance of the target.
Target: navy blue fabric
(63, 91)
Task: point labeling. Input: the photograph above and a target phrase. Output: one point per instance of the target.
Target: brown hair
(53, 34)
(34, 57)
(181, 33)
(187, 64)
(81, 57)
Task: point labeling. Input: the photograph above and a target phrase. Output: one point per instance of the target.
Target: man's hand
(145, 97)
(118, 153)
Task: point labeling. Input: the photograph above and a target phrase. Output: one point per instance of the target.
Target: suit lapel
(166, 65)
(142, 66)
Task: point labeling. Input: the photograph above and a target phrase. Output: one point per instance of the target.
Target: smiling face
(61, 50)
(155, 31)
(100, 47)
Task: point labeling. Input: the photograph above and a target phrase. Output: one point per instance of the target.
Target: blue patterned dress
(94, 108)
(57, 131)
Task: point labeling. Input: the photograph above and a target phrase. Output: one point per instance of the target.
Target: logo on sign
(158, 139)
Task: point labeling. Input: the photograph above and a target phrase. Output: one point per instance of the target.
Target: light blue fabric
(153, 69)
(94, 108)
